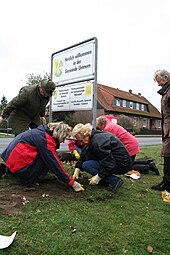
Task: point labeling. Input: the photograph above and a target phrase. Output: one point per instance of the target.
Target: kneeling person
(32, 154)
(104, 156)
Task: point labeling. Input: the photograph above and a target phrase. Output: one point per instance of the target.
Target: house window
(124, 103)
(137, 106)
(131, 105)
(158, 124)
(144, 123)
(142, 107)
(117, 102)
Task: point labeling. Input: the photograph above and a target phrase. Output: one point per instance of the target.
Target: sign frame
(91, 70)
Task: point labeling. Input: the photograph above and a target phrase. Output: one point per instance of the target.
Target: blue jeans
(93, 167)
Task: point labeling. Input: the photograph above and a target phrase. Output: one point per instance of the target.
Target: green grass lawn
(93, 222)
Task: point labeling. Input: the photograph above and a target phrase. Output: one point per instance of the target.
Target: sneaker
(153, 168)
(117, 185)
(164, 185)
(2, 169)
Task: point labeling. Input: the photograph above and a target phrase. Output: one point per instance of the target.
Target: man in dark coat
(162, 77)
(104, 156)
(27, 109)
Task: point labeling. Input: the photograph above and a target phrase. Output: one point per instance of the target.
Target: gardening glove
(76, 174)
(94, 180)
(76, 154)
(1, 120)
(77, 187)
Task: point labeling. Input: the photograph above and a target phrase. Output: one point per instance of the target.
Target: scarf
(164, 89)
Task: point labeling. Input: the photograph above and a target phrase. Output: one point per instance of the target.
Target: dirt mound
(13, 196)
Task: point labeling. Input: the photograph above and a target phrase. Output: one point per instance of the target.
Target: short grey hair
(162, 74)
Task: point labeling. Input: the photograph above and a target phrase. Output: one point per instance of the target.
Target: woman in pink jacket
(108, 123)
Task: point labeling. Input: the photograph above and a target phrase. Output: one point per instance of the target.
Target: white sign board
(74, 64)
(73, 97)
(60, 99)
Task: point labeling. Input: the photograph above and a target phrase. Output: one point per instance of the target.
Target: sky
(133, 40)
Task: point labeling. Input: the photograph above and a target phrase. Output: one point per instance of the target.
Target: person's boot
(164, 185)
(2, 169)
(113, 182)
(117, 185)
(153, 168)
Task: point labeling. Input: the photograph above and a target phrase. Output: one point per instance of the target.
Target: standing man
(162, 77)
(27, 109)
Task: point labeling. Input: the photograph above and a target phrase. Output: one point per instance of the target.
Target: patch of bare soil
(13, 196)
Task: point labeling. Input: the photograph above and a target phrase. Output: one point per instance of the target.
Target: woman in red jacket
(105, 123)
(31, 154)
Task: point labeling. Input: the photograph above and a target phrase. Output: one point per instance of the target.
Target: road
(149, 140)
(143, 141)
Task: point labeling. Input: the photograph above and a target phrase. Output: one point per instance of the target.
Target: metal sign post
(95, 89)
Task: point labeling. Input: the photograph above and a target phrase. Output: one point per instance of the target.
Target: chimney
(139, 94)
(130, 91)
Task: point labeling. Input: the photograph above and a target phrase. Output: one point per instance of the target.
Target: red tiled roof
(106, 95)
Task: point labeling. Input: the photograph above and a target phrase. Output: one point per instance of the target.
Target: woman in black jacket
(104, 156)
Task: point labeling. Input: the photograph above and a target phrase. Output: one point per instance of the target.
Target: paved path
(143, 141)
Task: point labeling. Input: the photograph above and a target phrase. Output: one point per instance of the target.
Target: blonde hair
(101, 121)
(61, 128)
(84, 130)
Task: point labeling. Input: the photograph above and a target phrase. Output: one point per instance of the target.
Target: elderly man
(104, 156)
(162, 77)
(27, 109)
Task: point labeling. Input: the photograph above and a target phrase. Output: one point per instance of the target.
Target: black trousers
(142, 166)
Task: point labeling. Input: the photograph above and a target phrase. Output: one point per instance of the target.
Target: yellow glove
(77, 187)
(76, 174)
(94, 180)
(76, 154)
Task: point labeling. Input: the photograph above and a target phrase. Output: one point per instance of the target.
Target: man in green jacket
(27, 109)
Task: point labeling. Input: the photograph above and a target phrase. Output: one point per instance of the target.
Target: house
(116, 102)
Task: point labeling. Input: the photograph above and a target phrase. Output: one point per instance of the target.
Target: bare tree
(33, 79)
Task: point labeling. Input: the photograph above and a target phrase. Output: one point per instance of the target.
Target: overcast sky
(133, 40)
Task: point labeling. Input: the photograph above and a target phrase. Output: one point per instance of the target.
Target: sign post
(74, 71)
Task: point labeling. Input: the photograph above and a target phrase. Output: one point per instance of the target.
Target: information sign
(73, 97)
